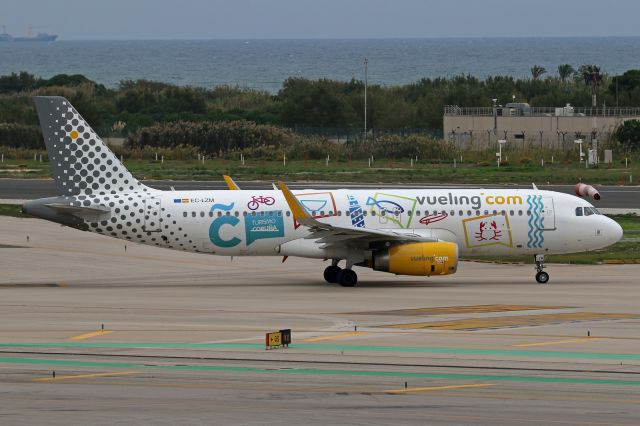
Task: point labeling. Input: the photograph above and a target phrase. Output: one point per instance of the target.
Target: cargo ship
(42, 37)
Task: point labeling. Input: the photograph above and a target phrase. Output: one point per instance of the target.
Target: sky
(257, 19)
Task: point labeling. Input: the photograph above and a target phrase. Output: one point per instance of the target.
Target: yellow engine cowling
(438, 258)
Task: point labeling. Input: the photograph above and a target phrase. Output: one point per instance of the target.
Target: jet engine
(436, 258)
(583, 190)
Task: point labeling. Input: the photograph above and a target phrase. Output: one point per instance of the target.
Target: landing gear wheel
(542, 277)
(331, 274)
(347, 278)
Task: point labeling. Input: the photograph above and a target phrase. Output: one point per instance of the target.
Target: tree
(537, 71)
(628, 134)
(589, 73)
(565, 71)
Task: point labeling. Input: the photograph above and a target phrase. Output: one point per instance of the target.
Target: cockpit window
(586, 211)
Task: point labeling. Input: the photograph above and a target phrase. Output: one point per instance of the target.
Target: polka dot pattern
(88, 174)
(81, 163)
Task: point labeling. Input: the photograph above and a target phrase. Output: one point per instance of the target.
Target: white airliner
(418, 232)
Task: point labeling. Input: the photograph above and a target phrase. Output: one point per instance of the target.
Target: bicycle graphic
(257, 200)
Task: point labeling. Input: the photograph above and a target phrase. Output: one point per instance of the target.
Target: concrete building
(557, 128)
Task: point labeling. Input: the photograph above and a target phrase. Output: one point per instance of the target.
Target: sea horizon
(264, 64)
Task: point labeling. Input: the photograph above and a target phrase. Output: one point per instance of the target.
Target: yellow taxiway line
(559, 342)
(477, 385)
(90, 335)
(85, 376)
(335, 336)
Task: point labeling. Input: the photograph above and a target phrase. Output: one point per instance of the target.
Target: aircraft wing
(329, 234)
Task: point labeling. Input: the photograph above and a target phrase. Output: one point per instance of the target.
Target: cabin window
(279, 213)
(373, 212)
(236, 214)
(271, 213)
(253, 214)
(460, 213)
(340, 213)
(477, 212)
(486, 212)
(184, 214)
(288, 213)
(201, 214)
(452, 213)
(528, 212)
(219, 214)
(227, 214)
(210, 214)
(364, 213)
(468, 212)
(417, 212)
(519, 212)
(244, 213)
(426, 212)
(511, 213)
(262, 214)
(409, 212)
(193, 214)
(578, 211)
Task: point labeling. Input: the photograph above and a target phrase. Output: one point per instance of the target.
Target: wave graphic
(535, 234)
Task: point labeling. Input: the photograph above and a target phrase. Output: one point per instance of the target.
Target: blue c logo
(214, 229)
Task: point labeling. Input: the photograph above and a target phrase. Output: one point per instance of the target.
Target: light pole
(499, 153)
(366, 66)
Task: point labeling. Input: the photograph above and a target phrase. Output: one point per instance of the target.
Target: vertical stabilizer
(81, 164)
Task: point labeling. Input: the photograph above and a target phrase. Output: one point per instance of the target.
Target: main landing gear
(335, 274)
(541, 276)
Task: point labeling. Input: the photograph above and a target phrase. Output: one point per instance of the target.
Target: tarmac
(140, 335)
(613, 197)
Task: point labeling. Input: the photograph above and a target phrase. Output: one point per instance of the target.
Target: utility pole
(366, 63)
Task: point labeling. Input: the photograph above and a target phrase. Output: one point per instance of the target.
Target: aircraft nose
(614, 231)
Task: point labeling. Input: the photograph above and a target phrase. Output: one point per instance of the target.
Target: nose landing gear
(541, 276)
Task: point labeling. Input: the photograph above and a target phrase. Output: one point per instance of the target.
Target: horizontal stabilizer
(94, 214)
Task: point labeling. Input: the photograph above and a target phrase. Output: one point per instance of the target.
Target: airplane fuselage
(504, 222)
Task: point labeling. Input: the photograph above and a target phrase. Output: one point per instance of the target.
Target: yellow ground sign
(274, 339)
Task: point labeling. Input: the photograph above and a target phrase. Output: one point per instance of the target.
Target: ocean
(265, 64)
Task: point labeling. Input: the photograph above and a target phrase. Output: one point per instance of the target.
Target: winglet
(230, 183)
(299, 212)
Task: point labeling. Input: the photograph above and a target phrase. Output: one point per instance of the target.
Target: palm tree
(537, 71)
(589, 74)
(565, 71)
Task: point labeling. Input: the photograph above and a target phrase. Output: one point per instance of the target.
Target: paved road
(612, 196)
(184, 340)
